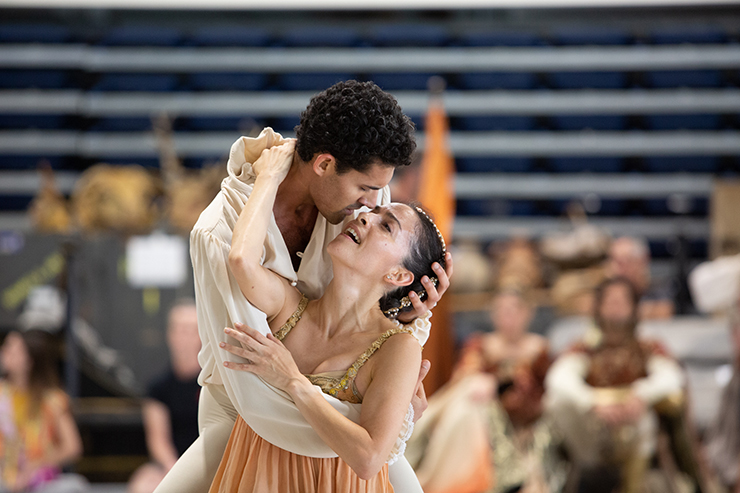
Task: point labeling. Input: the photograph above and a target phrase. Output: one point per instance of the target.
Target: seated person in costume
(170, 411)
(630, 258)
(603, 391)
(490, 413)
(38, 435)
(343, 342)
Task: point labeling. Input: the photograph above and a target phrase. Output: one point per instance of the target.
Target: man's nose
(370, 199)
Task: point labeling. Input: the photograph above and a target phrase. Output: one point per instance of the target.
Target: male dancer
(351, 138)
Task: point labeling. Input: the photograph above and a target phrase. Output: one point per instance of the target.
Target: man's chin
(339, 217)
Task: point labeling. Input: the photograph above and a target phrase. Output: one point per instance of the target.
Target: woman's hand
(266, 357)
(275, 161)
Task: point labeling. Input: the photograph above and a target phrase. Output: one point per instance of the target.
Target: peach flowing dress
(252, 464)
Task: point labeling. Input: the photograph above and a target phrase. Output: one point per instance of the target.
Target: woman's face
(376, 242)
(14, 356)
(510, 315)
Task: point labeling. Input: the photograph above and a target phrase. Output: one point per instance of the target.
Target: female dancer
(343, 342)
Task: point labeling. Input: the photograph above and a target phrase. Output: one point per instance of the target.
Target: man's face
(616, 314)
(339, 195)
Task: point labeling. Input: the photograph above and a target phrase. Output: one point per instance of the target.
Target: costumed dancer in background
(484, 431)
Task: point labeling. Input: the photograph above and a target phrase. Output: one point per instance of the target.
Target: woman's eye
(387, 227)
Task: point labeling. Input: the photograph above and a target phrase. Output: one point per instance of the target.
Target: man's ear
(323, 163)
(399, 277)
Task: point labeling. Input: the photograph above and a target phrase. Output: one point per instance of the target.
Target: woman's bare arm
(263, 288)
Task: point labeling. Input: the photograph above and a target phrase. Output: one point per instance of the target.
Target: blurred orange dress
(252, 464)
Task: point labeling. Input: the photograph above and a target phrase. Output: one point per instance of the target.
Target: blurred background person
(484, 431)
(723, 436)
(38, 435)
(170, 411)
(603, 391)
(629, 257)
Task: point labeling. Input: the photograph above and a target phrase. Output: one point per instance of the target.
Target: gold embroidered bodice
(340, 383)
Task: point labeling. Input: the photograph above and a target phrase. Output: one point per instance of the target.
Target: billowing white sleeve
(267, 410)
(565, 382)
(665, 378)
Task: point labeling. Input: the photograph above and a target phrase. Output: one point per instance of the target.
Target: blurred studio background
(580, 141)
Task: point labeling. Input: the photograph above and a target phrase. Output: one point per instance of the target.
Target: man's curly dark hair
(357, 123)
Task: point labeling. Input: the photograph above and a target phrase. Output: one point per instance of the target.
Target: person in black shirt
(170, 410)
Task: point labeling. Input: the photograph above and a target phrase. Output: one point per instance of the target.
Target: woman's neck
(348, 305)
(17, 380)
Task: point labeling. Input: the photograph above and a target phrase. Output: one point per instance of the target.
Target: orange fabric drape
(437, 195)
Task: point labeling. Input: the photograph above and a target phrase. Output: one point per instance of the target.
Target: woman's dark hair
(601, 292)
(425, 250)
(357, 123)
(43, 358)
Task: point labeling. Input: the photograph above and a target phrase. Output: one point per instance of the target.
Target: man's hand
(628, 412)
(434, 294)
(419, 400)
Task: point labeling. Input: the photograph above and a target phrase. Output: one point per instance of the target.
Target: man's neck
(295, 211)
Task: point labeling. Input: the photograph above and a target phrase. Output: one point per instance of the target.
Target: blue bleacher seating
(593, 122)
(36, 79)
(121, 124)
(146, 161)
(497, 80)
(659, 207)
(34, 33)
(31, 161)
(688, 34)
(498, 122)
(499, 38)
(496, 207)
(325, 36)
(215, 123)
(587, 80)
(227, 81)
(230, 35)
(697, 164)
(577, 164)
(604, 207)
(702, 121)
(197, 162)
(310, 81)
(494, 164)
(403, 81)
(142, 35)
(683, 78)
(285, 124)
(38, 121)
(137, 82)
(15, 202)
(408, 35)
(592, 35)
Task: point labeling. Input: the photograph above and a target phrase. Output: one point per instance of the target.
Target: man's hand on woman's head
(434, 294)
